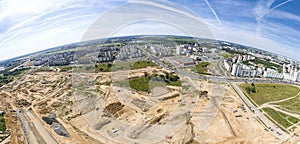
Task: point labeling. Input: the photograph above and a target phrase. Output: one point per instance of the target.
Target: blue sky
(27, 26)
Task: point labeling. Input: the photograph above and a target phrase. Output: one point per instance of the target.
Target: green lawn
(270, 92)
(281, 118)
(142, 64)
(103, 67)
(65, 68)
(202, 68)
(108, 67)
(142, 83)
(293, 104)
(172, 80)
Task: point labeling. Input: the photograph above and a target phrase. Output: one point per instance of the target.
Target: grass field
(270, 92)
(103, 67)
(202, 68)
(281, 118)
(108, 67)
(292, 105)
(142, 83)
(65, 68)
(142, 64)
(273, 92)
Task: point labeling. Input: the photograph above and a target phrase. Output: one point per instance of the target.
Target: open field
(202, 68)
(142, 83)
(283, 119)
(103, 67)
(270, 92)
(279, 101)
(65, 68)
(142, 64)
(292, 105)
(108, 67)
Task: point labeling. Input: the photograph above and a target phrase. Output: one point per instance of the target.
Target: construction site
(79, 107)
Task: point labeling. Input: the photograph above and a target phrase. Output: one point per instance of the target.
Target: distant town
(238, 61)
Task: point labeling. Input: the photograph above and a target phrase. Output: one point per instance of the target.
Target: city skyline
(28, 27)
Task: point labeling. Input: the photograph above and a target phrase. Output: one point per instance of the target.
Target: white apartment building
(227, 65)
(291, 73)
(178, 50)
(205, 50)
(241, 70)
(271, 73)
(298, 77)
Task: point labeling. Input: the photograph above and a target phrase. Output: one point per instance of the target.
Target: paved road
(29, 134)
(275, 130)
(222, 68)
(47, 137)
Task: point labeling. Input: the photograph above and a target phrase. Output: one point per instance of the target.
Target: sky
(28, 26)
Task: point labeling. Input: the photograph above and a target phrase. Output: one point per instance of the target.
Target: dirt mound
(158, 119)
(23, 102)
(115, 107)
(45, 110)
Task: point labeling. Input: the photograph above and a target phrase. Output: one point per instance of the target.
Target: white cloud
(150, 28)
(39, 24)
(284, 15)
(262, 10)
(43, 37)
(31, 25)
(274, 38)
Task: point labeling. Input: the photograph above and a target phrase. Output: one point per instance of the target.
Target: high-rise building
(236, 68)
(298, 77)
(271, 73)
(228, 65)
(178, 50)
